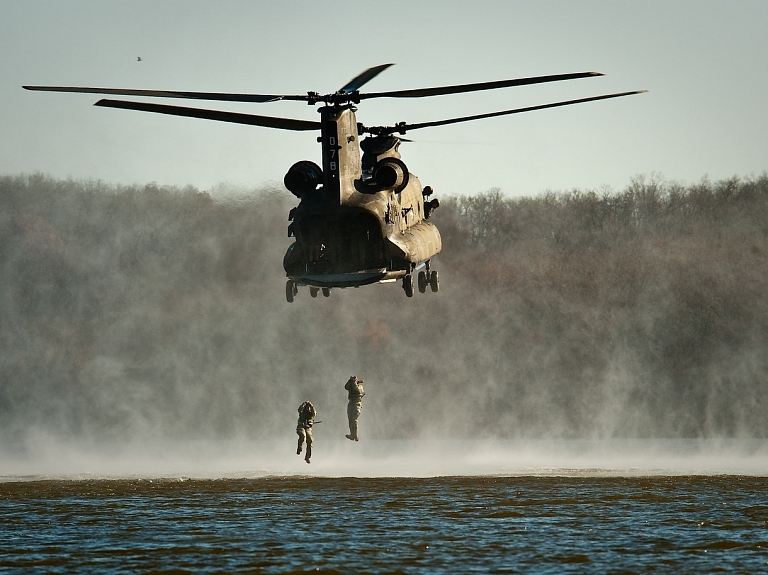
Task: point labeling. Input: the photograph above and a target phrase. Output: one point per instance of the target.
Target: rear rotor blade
(219, 96)
(358, 81)
(459, 89)
(403, 127)
(219, 116)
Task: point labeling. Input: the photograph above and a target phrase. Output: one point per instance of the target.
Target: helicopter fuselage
(366, 222)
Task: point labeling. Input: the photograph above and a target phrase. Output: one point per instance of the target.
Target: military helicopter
(361, 219)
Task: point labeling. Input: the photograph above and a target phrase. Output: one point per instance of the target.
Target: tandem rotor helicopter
(361, 219)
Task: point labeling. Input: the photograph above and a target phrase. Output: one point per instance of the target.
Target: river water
(681, 507)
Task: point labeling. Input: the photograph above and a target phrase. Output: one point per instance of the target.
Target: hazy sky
(704, 62)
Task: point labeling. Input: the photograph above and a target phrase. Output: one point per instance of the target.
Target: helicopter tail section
(341, 153)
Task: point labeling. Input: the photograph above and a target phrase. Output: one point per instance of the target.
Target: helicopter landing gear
(408, 285)
(426, 278)
(434, 282)
(291, 289)
(423, 281)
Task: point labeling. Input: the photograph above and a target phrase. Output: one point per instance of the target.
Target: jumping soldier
(307, 413)
(355, 388)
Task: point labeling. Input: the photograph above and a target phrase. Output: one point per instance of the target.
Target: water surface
(534, 518)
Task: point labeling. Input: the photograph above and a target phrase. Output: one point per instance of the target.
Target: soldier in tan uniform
(307, 413)
(355, 391)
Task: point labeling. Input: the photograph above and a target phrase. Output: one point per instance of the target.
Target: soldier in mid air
(307, 413)
(355, 388)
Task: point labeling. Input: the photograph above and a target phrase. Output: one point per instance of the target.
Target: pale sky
(705, 63)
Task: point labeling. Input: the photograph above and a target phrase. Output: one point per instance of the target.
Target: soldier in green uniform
(355, 391)
(307, 413)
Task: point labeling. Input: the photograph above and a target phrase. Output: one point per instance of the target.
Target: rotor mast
(339, 136)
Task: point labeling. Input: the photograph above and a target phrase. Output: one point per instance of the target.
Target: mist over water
(50, 459)
(145, 331)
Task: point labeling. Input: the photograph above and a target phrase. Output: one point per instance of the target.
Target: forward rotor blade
(365, 77)
(459, 89)
(219, 96)
(235, 118)
(402, 128)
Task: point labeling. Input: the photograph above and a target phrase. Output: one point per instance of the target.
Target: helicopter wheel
(326, 292)
(423, 281)
(313, 291)
(408, 285)
(434, 282)
(291, 289)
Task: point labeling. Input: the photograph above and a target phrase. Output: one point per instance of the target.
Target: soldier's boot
(309, 453)
(298, 449)
(350, 437)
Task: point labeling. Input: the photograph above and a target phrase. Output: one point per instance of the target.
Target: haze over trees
(154, 311)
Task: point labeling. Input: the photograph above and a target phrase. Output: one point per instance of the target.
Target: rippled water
(545, 520)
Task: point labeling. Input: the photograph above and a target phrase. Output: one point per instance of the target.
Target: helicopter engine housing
(303, 178)
(391, 173)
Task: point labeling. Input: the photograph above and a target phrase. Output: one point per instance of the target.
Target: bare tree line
(157, 310)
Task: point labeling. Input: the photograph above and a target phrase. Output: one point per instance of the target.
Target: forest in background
(150, 311)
